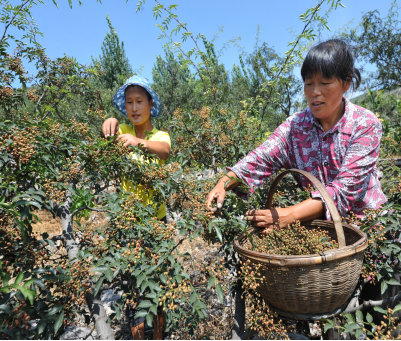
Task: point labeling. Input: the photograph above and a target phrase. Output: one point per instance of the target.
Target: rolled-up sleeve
(267, 159)
(357, 173)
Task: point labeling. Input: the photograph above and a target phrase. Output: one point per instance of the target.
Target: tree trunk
(99, 316)
(239, 318)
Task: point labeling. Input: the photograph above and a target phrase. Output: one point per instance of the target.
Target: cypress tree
(113, 60)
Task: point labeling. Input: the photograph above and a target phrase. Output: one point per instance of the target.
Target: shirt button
(326, 163)
(324, 138)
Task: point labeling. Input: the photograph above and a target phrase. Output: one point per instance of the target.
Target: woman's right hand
(217, 195)
(110, 127)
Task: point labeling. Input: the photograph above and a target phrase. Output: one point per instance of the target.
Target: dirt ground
(47, 224)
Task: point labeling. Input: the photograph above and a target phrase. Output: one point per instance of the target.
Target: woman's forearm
(232, 182)
(308, 210)
(304, 211)
(160, 148)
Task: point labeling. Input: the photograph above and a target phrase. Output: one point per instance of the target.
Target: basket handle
(329, 201)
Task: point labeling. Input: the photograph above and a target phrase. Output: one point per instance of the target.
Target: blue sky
(79, 32)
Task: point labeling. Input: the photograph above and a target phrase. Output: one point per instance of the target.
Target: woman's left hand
(129, 140)
(280, 217)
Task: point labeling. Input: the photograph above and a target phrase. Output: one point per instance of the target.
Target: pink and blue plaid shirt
(343, 159)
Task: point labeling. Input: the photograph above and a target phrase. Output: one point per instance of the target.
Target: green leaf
(149, 320)
(19, 278)
(140, 313)
(369, 318)
(100, 268)
(6, 308)
(153, 285)
(211, 282)
(193, 297)
(109, 274)
(145, 304)
(38, 282)
(218, 232)
(359, 316)
(6, 279)
(140, 279)
(30, 295)
(384, 287)
(59, 321)
(220, 293)
(40, 271)
(350, 318)
(380, 310)
(153, 309)
(98, 285)
(328, 324)
(392, 281)
(351, 326)
(28, 283)
(55, 310)
(41, 326)
(397, 308)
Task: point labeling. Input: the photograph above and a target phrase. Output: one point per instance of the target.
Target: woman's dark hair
(333, 58)
(147, 93)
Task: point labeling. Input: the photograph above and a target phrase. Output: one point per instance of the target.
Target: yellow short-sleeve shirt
(146, 196)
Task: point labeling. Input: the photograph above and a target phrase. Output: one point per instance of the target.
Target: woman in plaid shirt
(333, 139)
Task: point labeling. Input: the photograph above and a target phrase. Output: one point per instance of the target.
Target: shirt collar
(343, 125)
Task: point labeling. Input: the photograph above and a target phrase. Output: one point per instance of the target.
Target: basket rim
(302, 260)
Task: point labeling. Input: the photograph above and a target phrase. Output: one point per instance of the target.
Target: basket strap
(327, 198)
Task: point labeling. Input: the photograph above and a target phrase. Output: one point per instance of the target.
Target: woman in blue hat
(137, 101)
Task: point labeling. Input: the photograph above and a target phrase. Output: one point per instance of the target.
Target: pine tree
(113, 60)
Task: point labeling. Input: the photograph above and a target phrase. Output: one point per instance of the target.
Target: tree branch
(370, 303)
(182, 239)
(89, 208)
(238, 332)
(112, 286)
(194, 40)
(287, 59)
(12, 19)
(194, 65)
(39, 100)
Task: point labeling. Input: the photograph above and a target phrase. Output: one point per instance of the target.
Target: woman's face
(324, 95)
(137, 105)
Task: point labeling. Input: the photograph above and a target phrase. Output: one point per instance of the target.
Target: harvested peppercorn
(294, 240)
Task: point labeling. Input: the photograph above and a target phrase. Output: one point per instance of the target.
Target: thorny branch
(89, 208)
(12, 19)
(200, 76)
(194, 40)
(286, 60)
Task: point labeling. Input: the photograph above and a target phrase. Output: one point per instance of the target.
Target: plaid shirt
(343, 159)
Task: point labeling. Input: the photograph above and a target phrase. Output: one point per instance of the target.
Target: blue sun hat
(118, 100)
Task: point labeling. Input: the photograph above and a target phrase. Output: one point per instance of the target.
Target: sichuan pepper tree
(50, 165)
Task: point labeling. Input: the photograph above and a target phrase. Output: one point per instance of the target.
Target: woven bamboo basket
(312, 284)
